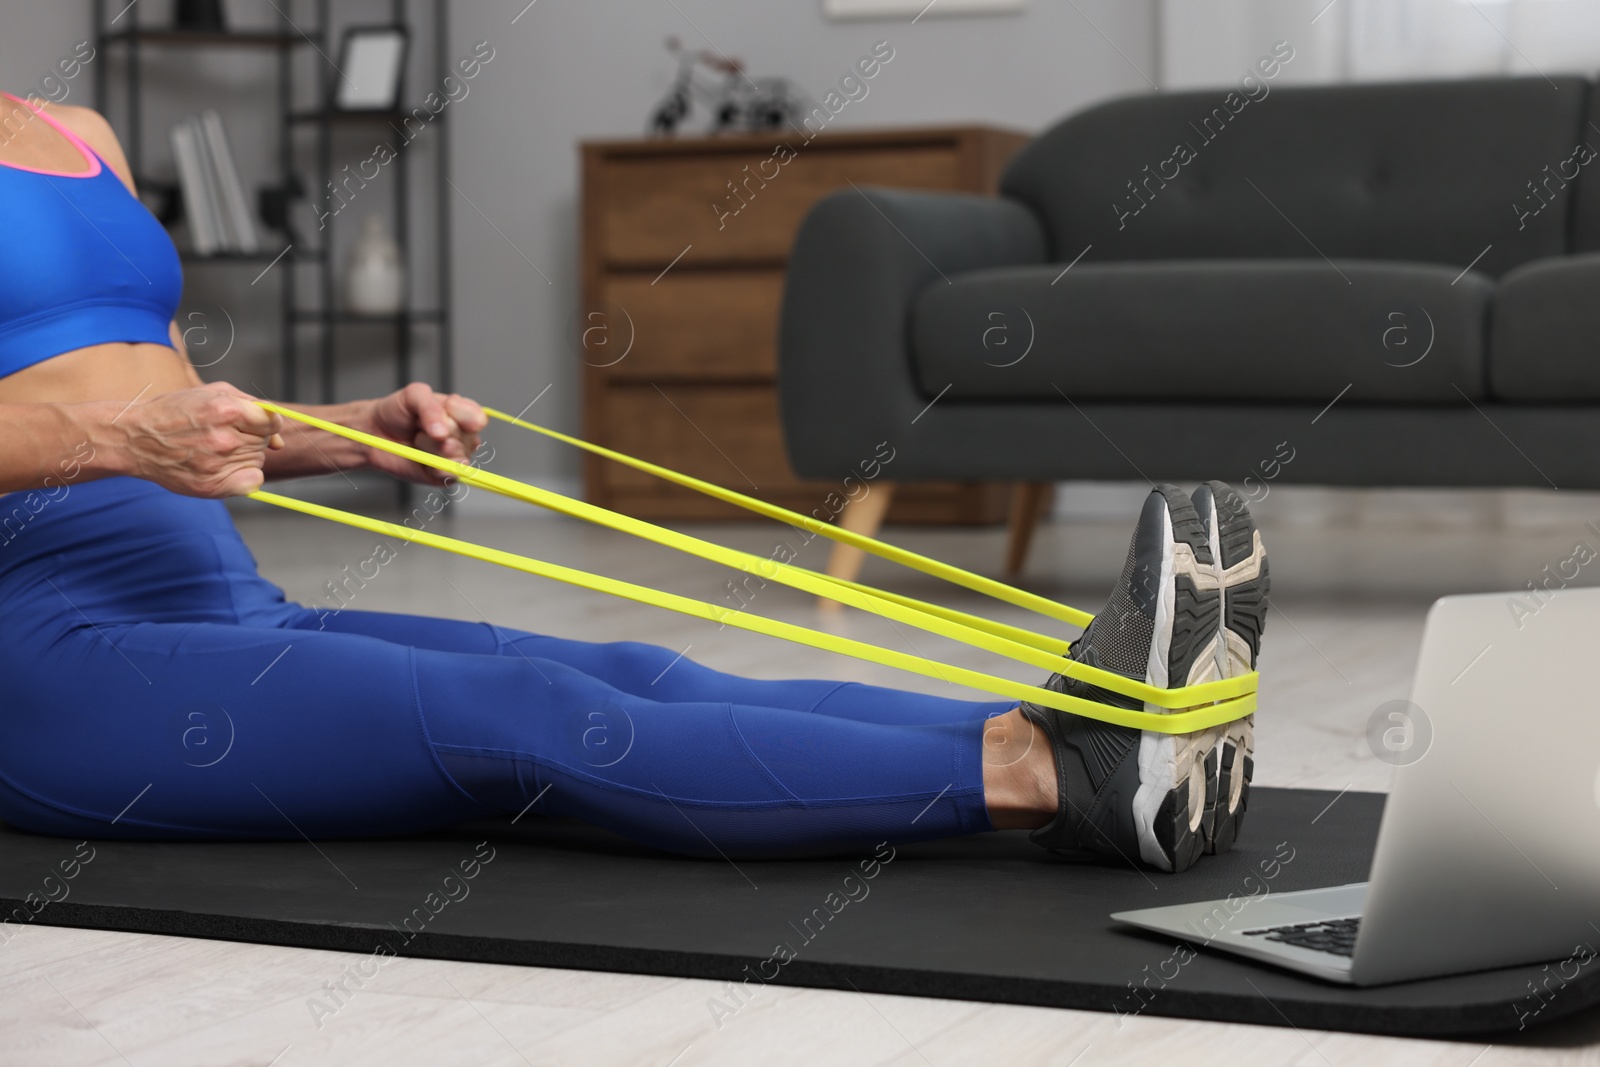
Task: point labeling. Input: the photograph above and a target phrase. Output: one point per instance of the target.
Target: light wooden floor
(1352, 583)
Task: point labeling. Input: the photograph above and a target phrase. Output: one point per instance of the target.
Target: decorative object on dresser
(684, 251)
(738, 103)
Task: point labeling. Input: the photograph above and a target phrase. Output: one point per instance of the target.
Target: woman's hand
(210, 441)
(445, 424)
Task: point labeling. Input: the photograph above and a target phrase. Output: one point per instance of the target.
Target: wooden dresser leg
(864, 516)
(1028, 505)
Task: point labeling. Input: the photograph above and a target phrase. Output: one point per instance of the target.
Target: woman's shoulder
(96, 132)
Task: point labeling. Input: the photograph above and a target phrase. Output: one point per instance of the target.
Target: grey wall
(33, 36)
(569, 71)
(562, 72)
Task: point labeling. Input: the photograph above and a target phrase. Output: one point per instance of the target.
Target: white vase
(374, 283)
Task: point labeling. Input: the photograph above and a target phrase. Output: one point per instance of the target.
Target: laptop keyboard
(1337, 936)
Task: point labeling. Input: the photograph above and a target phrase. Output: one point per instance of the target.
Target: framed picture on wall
(372, 62)
(915, 9)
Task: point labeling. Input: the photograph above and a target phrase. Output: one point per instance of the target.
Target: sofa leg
(864, 516)
(1029, 503)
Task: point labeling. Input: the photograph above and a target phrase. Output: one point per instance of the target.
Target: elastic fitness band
(853, 593)
(1223, 701)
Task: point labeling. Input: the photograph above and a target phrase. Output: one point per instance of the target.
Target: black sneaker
(1241, 564)
(1137, 794)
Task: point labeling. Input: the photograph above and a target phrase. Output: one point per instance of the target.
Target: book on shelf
(191, 179)
(214, 197)
(240, 223)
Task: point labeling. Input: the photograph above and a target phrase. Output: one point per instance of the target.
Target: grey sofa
(1398, 285)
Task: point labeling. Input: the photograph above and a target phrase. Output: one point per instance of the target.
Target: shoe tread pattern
(1244, 611)
(1195, 613)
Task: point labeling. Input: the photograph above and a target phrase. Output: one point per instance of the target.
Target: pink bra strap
(90, 156)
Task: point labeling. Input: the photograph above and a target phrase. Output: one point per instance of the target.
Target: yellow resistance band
(1186, 697)
(1236, 694)
(797, 577)
(955, 575)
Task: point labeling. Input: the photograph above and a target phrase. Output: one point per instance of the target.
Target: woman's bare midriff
(117, 371)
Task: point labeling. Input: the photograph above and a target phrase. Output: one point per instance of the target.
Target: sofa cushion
(1544, 344)
(1267, 330)
(1428, 171)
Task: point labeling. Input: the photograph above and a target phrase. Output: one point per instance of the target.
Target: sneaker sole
(1245, 582)
(1178, 773)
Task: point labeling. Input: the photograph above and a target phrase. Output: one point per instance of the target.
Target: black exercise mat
(988, 918)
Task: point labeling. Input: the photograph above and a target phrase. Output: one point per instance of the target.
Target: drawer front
(728, 435)
(651, 209)
(691, 324)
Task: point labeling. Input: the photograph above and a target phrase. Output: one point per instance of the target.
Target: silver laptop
(1489, 849)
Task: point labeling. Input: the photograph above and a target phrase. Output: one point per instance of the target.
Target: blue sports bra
(83, 261)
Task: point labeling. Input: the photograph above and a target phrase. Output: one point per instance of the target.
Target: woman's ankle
(1019, 773)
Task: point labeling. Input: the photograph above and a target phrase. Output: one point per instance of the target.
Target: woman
(131, 615)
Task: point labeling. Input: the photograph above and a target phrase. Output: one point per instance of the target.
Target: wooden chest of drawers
(684, 243)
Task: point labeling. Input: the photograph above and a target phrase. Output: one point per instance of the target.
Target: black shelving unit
(138, 44)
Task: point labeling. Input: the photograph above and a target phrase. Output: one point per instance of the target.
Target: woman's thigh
(207, 729)
(659, 674)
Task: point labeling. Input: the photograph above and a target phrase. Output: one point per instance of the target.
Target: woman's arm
(207, 442)
(306, 450)
(444, 424)
(215, 441)
(43, 446)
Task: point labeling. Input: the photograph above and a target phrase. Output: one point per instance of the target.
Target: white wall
(1212, 42)
(1206, 42)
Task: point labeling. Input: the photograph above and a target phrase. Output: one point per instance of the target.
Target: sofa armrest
(845, 378)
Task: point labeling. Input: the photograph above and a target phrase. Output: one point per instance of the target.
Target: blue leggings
(153, 685)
